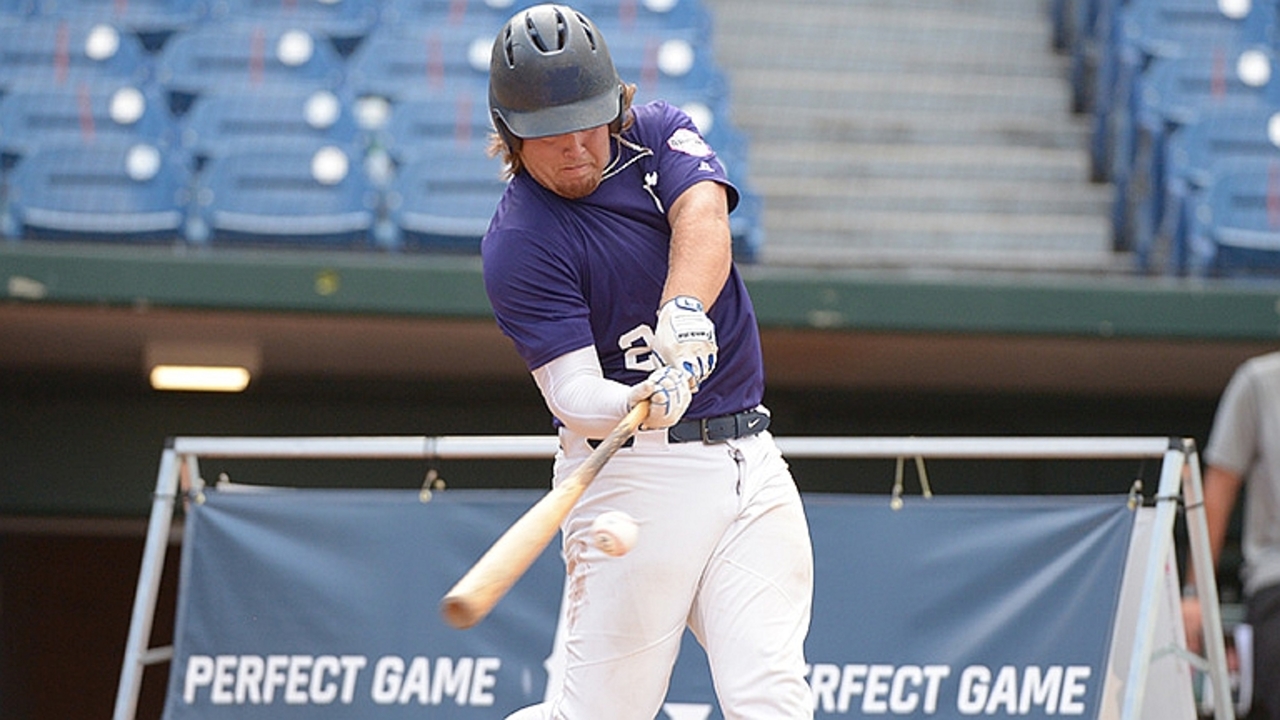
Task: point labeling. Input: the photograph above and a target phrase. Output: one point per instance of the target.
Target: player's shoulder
(1265, 364)
(656, 119)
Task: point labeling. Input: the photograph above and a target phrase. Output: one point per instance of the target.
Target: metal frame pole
(1135, 686)
(136, 654)
(1207, 590)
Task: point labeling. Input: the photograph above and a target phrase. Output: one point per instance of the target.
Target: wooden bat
(473, 596)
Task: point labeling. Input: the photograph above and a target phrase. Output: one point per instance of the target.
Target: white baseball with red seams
(615, 533)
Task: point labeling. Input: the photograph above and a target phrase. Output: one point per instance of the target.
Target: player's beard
(578, 188)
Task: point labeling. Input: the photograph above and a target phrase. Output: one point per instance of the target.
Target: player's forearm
(577, 393)
(701, 246)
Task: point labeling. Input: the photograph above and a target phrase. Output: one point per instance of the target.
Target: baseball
(614, 532)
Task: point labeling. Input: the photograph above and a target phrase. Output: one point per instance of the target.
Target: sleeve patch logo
(688, 142)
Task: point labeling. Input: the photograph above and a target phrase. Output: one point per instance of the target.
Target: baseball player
(608, 263)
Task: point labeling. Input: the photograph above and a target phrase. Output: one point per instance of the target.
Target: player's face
(569, 165)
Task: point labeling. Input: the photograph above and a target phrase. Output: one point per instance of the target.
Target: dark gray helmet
(550, 73)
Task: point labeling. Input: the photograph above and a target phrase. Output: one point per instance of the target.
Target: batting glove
(668, 390)
(686, 338)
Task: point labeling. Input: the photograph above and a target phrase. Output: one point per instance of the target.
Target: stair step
(842, 161)
(803, 193)
(987, 127)
(854, 91)
(912, 133)
(889, 257)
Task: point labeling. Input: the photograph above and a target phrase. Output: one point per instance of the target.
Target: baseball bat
(480, 589)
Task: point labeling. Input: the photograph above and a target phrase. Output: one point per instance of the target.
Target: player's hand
(668, 390)
(686, 338)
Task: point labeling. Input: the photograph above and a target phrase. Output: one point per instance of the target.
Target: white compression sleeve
(577, 392)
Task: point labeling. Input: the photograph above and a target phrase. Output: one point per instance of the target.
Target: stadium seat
(315, 196)
(1170, 93)
(89, 112)
(152, 21)
(421, 125)
(108, 191)
(45, 52)
(1237, 227)
(343, 22)
(243, 57)
(1195, 154)
(1135, 33)
(443, 199)
(612, 16)
(648, 16)
(408, 61)
(15, 11)
(747, 228)
(667, 64)
(219, 123)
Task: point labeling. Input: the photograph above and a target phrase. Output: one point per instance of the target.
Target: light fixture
(201, 367)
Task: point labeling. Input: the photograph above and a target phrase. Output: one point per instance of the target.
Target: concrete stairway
(932, 134)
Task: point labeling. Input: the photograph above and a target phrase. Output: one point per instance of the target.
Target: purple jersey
(567, 274)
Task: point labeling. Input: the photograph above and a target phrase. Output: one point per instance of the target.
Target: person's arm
(700, 257)
(1221, 489)
(576, 392)
(701, 245)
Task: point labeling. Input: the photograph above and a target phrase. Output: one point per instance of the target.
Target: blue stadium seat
(443, 199)
(488, 15)
(663, 65)
(612, 16)
(243, 57)
(408, 61)
(15, 11)
(1237, 231)
(1170, 93)
(44, 52)
(1196, 153)
(1084, 24)
(343, 22)
(108, 191)
(152, 21)
(315, 196)
(219, 123)
(1135, 33)
(746, 226)
(90, 112)
(421, 125)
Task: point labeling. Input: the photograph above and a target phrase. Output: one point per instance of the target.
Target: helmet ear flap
(615, 127)
(513, 142)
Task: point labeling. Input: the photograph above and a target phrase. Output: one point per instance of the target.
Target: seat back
(1238, 221)
(443, 198)
(245, 57)
(48, 52)
(413, 61)
(422, 125)
(85, 113)
(113, 191)
(288, 194)
(344, 23)
(219, 123)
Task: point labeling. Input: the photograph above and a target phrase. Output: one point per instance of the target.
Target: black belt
(712, 430)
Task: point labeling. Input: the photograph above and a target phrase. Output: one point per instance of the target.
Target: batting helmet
(550, 73)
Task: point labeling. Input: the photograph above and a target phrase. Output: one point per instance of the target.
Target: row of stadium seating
(1185, 111)
(342, 123)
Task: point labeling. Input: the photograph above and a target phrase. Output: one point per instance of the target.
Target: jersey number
(637, 347)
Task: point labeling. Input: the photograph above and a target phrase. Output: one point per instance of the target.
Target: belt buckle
(704, 425)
